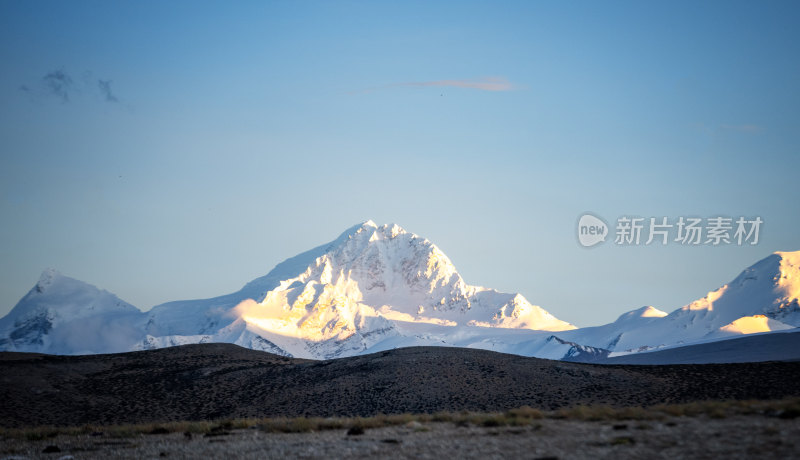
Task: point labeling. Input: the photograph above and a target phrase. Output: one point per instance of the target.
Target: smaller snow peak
(48, 276)
(651, 312)
(642, 312)
(779, 270)
(770, 268)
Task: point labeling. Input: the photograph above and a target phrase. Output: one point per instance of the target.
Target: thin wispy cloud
(105, 89)
(481, 84)
(59, 84)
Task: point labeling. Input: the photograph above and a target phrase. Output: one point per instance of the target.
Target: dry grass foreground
(736, 429)
(218, 381)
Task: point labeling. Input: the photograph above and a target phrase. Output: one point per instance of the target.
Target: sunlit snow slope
(763, 298)
(380, 287)
(336, 300)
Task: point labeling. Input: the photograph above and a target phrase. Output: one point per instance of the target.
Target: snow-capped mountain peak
(371, 284)
(770, 287)
(762, 298)
(376, 287)
(46, 279)
(377, 277)
(643, 312)
(67, 297)
(64, 315)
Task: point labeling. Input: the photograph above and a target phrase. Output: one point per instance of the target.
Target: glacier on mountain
(335, 300)
(380, 287)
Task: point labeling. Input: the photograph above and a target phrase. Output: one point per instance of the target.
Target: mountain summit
(338, 299)
(63, 315)
(404, 277)
(762, 298)
(378, 287)
(373, 274)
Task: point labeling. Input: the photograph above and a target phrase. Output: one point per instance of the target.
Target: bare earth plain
(742, 437)
(213, 382)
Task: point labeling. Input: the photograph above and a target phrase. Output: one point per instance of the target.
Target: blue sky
(174, 150)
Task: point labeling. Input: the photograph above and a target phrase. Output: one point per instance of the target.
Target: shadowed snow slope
(63, 315)
(338, 299)
(380, 287)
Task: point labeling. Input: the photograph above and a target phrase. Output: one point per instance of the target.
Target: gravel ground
(754, 436)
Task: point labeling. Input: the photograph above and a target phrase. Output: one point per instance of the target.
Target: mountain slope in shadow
(213, 381)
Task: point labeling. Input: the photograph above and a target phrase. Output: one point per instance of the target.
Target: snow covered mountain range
(380, 287)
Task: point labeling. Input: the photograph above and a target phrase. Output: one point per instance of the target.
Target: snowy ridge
(62, 313)
(380, 287)
(352, 296)
(763, 298)
(338, 299)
